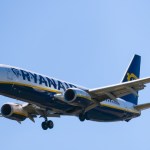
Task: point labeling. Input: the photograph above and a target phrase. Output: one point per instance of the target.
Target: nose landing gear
(47, 124)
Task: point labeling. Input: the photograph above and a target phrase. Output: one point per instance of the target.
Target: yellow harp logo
(131, 76)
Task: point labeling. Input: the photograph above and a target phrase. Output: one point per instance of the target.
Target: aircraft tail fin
(132, 73)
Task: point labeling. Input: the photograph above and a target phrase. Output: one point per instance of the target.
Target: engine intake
(6, 110)
(14, 112)
(77, 96)
(70, 95)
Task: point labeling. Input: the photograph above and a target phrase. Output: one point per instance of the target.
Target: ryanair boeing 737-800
(48, 97)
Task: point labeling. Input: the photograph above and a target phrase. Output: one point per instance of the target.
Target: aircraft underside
(46, 100)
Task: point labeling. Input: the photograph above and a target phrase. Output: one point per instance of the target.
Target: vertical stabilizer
(132, 73)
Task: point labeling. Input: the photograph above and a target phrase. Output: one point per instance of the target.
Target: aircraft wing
(34, 110)
(142, 106)
(119, 90)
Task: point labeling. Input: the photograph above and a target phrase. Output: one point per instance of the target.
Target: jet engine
(14, 112)
(77, 96)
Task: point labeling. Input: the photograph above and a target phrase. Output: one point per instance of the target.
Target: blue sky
(88, 42)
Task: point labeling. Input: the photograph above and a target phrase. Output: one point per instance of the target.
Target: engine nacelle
(77, 96)
(14, 112)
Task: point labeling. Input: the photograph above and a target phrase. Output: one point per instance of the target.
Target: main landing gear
(47, 124)
(83, 117)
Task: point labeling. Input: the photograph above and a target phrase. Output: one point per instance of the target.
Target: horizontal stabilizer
(142, 106)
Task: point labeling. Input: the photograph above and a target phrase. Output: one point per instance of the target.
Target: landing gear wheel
(44, 125)
(81, 117)
(50, 124)
(47, 124)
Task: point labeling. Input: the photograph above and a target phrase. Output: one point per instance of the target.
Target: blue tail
(133, 73)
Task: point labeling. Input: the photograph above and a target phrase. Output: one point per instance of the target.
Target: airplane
(45, 97)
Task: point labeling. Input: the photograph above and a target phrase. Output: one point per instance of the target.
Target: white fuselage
(17, 76)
